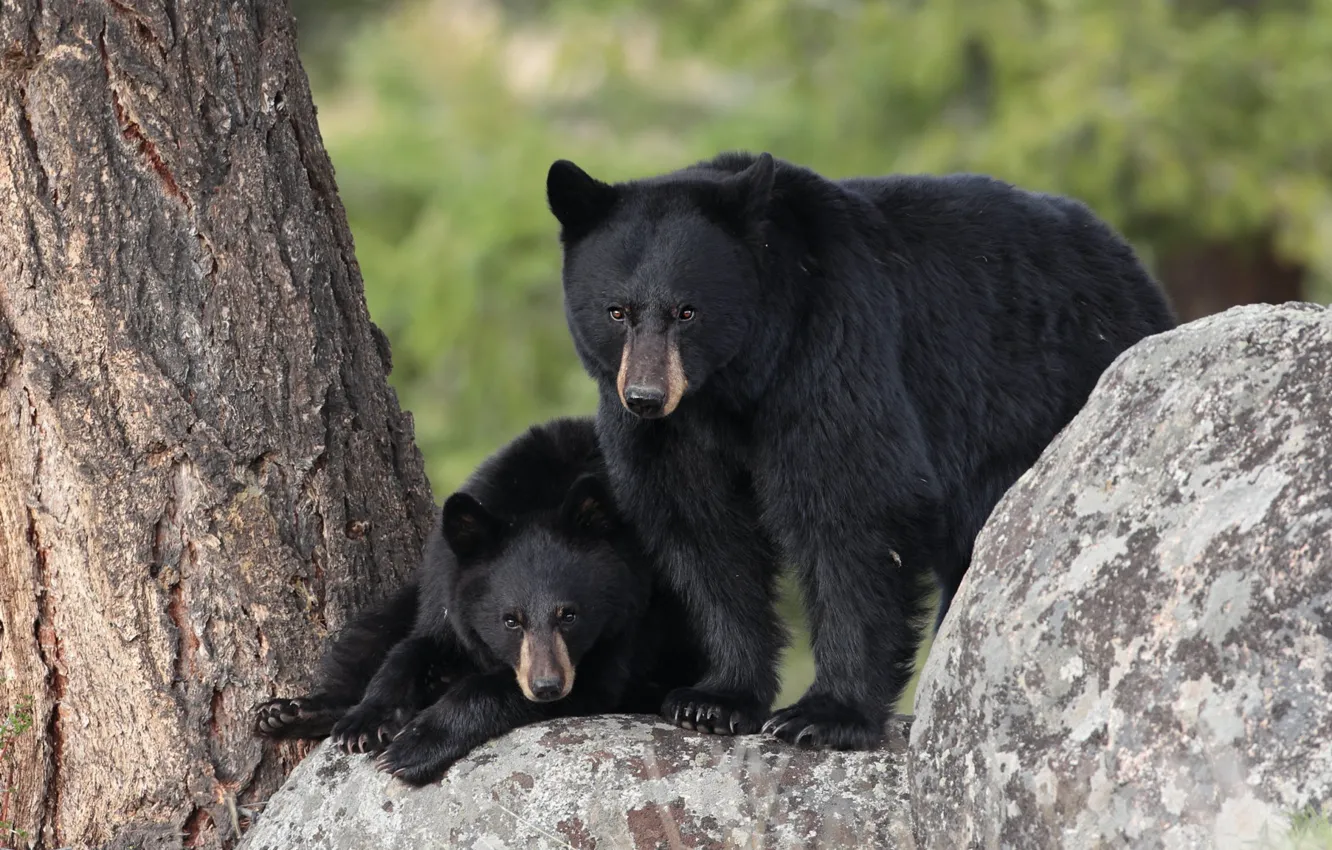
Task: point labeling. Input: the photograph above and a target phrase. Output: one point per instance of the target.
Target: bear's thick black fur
(533, 601)
(840, 375)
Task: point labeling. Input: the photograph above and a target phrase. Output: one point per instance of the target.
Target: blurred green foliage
(1184, 123)
(1310, 829)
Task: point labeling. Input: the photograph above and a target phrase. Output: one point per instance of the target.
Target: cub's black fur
(533, 601)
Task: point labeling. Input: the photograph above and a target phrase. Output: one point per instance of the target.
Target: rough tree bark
(202, 468)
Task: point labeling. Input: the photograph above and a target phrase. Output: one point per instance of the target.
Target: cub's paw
(820, 722)
(714, 713)
(422, 752)
(304, 717)
(369, 728)
(274, 719)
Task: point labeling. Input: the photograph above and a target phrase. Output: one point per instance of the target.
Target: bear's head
(662, 277)
(539, 593)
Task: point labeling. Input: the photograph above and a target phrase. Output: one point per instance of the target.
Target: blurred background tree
(1197, 127)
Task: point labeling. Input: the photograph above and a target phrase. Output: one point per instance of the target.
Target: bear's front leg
(859, 512)
(867, 596)
(867, 606)
(691, 498)
(728, 579)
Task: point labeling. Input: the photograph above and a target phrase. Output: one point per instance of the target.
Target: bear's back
(919, 202)
(1015, 257)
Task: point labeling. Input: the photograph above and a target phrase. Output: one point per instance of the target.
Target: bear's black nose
(644, 401)
(547, 689)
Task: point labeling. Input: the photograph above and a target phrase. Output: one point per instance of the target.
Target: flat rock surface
(602, 782)
(1141, 653)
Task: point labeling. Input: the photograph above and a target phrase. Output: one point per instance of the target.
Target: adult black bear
(528, 575)
(840, 375)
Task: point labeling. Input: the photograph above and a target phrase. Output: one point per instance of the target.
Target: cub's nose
(644, 401)
(547, 689)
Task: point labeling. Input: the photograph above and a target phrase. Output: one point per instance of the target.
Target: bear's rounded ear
(750, 191)
(588, 510)
(579, 201)
(469, 528)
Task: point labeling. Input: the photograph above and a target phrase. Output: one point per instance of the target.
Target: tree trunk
(1212, 277)
(202, 468)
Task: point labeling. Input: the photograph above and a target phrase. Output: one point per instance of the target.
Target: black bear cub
(532, 601)
(840, 375)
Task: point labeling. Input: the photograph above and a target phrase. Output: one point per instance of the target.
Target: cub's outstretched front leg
(480, 708)
(309, 717)
(346, 670)
(474, 710)
(413, 673)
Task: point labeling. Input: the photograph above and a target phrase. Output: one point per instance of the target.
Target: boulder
(601, 782)
(1141, 653)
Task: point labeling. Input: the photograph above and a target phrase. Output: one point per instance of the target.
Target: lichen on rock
(1141, 652)
(602, 782)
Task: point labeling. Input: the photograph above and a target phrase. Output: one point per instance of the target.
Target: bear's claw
(705, 711)
(819, 722)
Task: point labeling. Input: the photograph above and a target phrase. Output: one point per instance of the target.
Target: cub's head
(661, 276)
(539, 593)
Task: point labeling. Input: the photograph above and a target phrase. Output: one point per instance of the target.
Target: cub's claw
(271, 717)
(368, 728)
(422, 753)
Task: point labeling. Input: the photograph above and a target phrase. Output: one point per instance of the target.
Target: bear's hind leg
(360, 648)
(969, 508)
(948, 572)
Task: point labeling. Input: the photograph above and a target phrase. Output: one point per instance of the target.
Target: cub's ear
(469, 528)
(588, 510)
(579, 201)
(749, 192)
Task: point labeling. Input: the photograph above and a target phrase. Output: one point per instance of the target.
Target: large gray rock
(604, 782)
(1141, 653)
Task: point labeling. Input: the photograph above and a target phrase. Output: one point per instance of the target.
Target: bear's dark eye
(686, 313)
(617, 314)
(567, 617)
(511, 622)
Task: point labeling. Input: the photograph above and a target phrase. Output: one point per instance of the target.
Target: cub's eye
(686, 313)
(617, 314)
(568, 617)
(511, 622)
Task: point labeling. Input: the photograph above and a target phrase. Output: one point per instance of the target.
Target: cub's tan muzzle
(544, 671)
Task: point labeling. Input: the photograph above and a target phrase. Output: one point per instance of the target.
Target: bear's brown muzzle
(651, 380)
